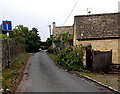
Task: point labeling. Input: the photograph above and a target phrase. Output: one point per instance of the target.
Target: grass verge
(111, 80)
(12, 76)
(53, 56)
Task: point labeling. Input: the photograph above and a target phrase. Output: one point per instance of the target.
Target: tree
(29, 37)
(19, 33)
(49, 42)
(33, 40)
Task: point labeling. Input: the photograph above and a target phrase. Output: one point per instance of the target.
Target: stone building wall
(9, 50)
(62, 29)
(97, 26)
(104, 45)
(102, 31)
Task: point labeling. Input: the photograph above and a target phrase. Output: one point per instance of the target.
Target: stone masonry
(9, 50)
(104, 45)
(97, 26)
(62, 29)
(102, 31)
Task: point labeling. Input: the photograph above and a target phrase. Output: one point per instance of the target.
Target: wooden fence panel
(97, 61)
(102, 61)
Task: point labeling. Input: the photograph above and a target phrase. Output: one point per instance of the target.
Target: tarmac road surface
(44, 76)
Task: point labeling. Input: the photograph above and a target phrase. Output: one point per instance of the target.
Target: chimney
(54, 24)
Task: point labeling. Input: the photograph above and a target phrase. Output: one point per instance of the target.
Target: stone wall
(102, 31)
(62, 29)
(104, 45)
(97, 26)
(9, 50)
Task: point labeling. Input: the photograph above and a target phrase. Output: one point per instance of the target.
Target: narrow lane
(45, 76)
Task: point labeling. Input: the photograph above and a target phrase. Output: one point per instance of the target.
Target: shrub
(4, 36)
(71, 59)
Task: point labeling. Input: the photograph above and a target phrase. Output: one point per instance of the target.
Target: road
(44, 76)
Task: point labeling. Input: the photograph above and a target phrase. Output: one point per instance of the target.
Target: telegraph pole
(50, 30)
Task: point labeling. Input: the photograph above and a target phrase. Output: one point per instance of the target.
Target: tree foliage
(19, 34)
(49, 42)
(66, 55)
(23, 35)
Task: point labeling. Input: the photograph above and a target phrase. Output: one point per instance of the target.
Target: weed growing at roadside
(12, 75)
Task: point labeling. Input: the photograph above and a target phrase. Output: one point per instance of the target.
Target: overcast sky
(41, 13)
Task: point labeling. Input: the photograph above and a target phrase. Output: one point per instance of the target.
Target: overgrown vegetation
(4, 36)
(12, 76)
(25, 36)
(65, 54)
(71, 59)
(20, 34)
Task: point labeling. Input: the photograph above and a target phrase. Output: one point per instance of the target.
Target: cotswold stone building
(102, 31)
(62, 29)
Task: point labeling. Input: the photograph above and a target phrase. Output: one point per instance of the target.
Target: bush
(53, 50)
(4, 36)
(71, 59)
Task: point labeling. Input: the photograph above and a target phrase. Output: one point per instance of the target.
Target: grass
(111, 80)
(12, 76)
(53, 56)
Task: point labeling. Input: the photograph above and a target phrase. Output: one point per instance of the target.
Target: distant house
(102, 31)
(62, 29)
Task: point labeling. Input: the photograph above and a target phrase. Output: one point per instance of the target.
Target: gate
(102, 61)
(97, 61)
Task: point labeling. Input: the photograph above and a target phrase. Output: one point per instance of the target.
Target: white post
(50, 30)
(8, 34)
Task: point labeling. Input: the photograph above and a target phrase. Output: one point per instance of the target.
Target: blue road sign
(6, 25)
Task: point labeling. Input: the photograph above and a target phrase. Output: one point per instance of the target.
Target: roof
(97, 14)
(62, 29)
(97, 26)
